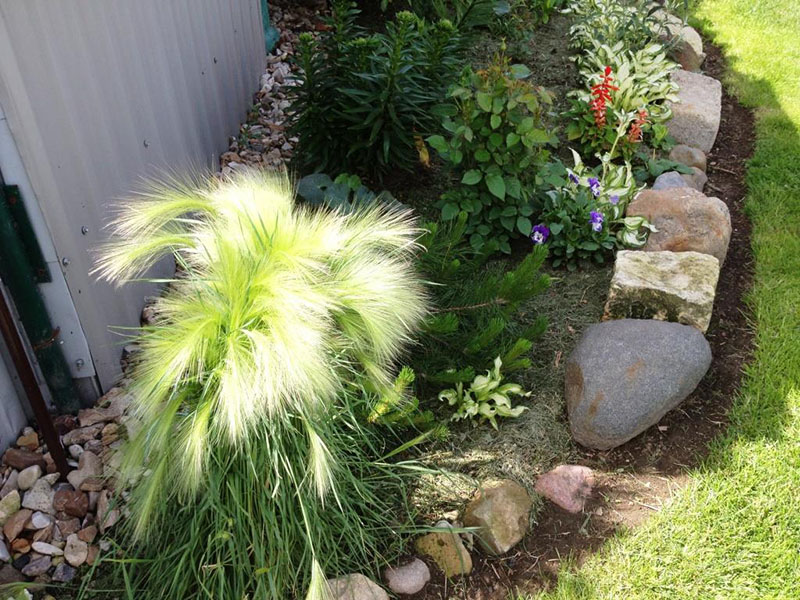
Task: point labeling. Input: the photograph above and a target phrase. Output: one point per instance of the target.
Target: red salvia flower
(635, 133)
(601, 94)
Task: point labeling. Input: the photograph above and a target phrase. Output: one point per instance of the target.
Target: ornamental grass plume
(250, 384)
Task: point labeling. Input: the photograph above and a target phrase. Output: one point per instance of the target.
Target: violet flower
(596, 219)
(594, 186)
(540, 233)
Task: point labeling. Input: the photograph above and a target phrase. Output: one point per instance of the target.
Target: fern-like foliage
(278, 309)
(474, 318)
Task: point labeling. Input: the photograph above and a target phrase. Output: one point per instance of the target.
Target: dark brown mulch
(641, 474)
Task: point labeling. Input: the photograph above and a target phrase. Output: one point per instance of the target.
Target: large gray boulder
(691, 157)
(686, 44)
(696, 115)
(686, 220)
(668, 286)
(624, 376)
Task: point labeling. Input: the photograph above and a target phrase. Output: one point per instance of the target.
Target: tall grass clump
(254, 472)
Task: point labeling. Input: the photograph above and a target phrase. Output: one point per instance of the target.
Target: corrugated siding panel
(100, 93)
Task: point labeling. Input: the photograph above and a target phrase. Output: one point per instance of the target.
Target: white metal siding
(98, 93)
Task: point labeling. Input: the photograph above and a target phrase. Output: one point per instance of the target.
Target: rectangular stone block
(669, 286)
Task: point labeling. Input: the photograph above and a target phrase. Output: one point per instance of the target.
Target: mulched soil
(640, 475)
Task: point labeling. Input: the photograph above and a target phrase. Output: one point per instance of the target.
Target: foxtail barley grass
(254, 474)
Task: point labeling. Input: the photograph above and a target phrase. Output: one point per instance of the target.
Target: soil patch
(637, 478)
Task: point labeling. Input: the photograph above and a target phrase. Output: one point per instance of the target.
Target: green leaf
(476, 240)
(512, 139)
(509, 211)
(556, 228)
(520, 71)
(438, 143)
(484, 101)
(496, 186)
(524, 225)
(482, 155)
(471, 177)
(495, 121)
(449, 211)
(508, 223)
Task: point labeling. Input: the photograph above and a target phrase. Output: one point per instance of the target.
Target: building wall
(98, 94)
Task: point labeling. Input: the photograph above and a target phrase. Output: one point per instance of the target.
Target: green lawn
(735, 531)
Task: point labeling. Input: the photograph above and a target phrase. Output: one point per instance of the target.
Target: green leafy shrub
(497, 141)
(583, 212)
(362, 100)
(253, 385)
(485, 399)
(346, 193)
(475, 315)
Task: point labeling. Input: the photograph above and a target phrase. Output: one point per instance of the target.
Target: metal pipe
(26, 374)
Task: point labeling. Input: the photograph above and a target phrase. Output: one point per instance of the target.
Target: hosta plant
(629, 92)
(497, 139)
(486, 398)
(278, 335)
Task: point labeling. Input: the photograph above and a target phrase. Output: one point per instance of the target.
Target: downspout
(271, 34)
(20, 277)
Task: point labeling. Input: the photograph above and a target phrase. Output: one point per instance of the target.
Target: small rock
(5, 555)
(11, 484)
(106, 516)
(88, 534)
(52, 478)
(92, 484)
(89, 465)
(118, 402)
(38, 566)
(76, 551)
(73, 503)
(696, 115)
(40, 497)
(44, 535)
(64, 573)
(409, 578)
(691, 157)
(9, 574)
(669, 286)
(82, 435)
(29, 441)
(8, 506)
(568, 486)
(624, 376)
(446, 549)
(16, 523)
(69, 526)
(27, 477)
(46, 549)
(39, 520)
(21, 546)
(94, 446)
(20, 561)
(697, 179)
(501, 512)
(65, 423)
(92, 555)
(686, 220)
(355, 587)
(75, 451)
(669, 180)
(22, 459)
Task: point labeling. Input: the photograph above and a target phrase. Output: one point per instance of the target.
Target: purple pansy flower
(594, 185)
(614, 200)
(596, 219)
(540, 233)
(573, 178)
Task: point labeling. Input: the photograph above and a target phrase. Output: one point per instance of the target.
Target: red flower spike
(635, 132)
(601, 94)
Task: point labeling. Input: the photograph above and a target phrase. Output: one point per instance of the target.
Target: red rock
(69, 526)
(88, 534)
(91, 556)
(73, 503)
(44, 535)
(21, 545)
(568, 486)
(22, 459)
